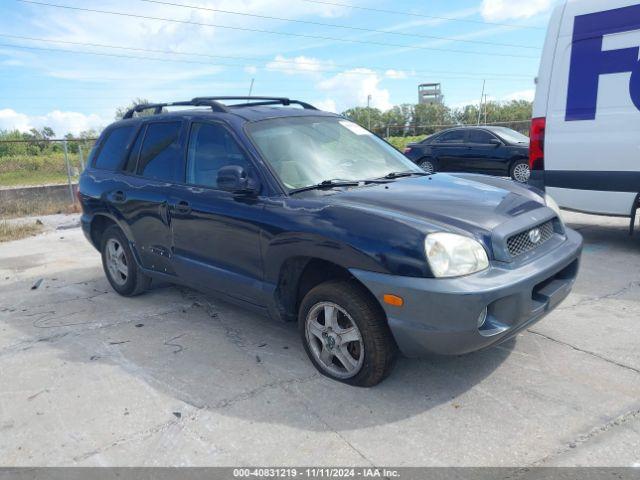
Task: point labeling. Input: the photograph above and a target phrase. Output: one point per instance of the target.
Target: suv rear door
(216, 233)
(154, 165)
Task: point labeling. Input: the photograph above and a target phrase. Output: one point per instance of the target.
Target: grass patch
(401, 142)
(22, 208)
(35, 169)
(15, 231)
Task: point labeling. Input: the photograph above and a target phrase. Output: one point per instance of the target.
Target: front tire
(345, 334)
(520, 171)
(119, 265)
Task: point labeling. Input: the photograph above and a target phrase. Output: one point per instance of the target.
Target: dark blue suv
(305, 216)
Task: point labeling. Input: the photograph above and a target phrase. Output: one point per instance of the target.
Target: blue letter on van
(589, 61)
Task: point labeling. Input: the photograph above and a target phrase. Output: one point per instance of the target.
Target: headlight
(551, 203)
(452, 255)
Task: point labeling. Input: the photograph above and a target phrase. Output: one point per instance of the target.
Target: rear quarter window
(114, 148)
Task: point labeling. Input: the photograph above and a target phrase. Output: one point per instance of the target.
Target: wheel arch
(298, 275)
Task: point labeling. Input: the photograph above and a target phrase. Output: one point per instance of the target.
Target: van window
(454, 136)
(114, 148)
(211, 147)
(160, 155)
(479, 136)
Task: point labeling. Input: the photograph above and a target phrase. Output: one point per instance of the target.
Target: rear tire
(427, 164)
(119, 264)
(345, 334)
(520, 171)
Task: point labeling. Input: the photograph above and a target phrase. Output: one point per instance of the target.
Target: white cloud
(352, 87)
(521, 95)
(499, 10)
(250, 69)
(61, 122)
(298, 65)
(326, 105)
(395, 74)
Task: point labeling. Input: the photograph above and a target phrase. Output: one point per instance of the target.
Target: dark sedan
(482, 149)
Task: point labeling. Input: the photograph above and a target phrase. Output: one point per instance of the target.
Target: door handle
(118, 197)
(182, 207)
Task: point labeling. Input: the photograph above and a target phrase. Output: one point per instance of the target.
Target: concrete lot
(176, 378)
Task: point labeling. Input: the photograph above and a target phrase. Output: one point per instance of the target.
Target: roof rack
(215, 105)
(259, 101)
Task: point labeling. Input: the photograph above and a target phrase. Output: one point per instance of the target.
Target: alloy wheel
(427, 166)
(334, 340)
(116, 262)
(521, 173)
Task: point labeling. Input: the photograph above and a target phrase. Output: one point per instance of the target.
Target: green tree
(368, 117)
(431, 114)
(120, 111)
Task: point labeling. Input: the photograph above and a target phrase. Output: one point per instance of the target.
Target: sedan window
(454, 136)
(480, 136)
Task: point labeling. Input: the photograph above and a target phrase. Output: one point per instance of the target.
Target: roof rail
(215, 105)
(258, 101)
(157, 107)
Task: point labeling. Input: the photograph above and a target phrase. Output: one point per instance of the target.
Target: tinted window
(480, 136)
(160, 154)
(454, 136)
(132, 161)
(114, 148)
(211, 147)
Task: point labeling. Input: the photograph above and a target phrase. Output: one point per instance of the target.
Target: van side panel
(543, 80)
(592, 138)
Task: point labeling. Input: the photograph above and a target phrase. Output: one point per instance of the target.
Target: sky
(69, 64)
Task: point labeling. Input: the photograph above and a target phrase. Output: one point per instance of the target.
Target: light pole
(369, 110)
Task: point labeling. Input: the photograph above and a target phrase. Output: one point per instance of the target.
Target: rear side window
(480, 136)
(160, 155)
(211, 147)
(114, 148)
(132, 161)
(454, 136)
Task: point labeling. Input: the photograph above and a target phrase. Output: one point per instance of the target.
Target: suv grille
(526, 241)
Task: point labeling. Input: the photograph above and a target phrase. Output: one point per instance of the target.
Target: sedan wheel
(334, 340)
(521, 173)
(427, 166)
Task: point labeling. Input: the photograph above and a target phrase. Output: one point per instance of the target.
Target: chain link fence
(390, 131)
(39, 177)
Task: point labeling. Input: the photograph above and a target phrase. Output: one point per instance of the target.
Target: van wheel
(119, 265)
(427, 165)
(345, 334)
(520, 171)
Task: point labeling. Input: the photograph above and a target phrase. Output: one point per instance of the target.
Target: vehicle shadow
(220, 358)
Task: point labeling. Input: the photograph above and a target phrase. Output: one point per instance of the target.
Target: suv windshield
(306, 151)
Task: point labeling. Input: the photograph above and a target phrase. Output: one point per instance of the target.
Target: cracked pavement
(174, 377)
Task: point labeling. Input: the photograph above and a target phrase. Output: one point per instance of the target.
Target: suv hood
(471, 203)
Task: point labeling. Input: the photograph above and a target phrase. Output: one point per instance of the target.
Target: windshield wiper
(393, 175)
(326, 184)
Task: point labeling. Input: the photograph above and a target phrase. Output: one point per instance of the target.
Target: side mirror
(495, 142)
(235, 179)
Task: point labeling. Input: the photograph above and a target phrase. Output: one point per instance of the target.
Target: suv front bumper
(440, 315)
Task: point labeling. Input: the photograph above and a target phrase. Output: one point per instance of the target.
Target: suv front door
(216, 234)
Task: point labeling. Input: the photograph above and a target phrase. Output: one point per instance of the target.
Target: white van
(585, 132)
